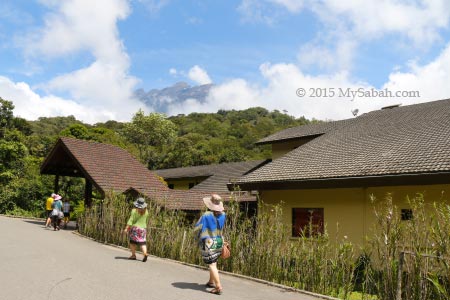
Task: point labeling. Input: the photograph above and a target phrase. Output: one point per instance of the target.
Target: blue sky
(86, 58)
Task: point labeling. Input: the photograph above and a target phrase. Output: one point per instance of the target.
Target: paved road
(41, 264)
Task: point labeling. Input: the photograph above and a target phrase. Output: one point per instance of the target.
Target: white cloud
(199, 76)
(347, 24)
(279, 93)
(69, 28)
(105, 85)
(31, 106)
(291, 5)
(283, 80)
(257, 11)
(100, 85)
(234, 94)
(173, 71)
(194, 21)
(154, 6)
(431, 80)
(418, 20)
(340, 57)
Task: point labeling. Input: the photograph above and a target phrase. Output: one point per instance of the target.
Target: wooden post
(87, 193)
(182, 244)
(399, 276)
(56, 184)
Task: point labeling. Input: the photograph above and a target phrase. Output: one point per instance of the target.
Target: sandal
(210, 284)
(216, 291)
(132, 258)
(145, 258)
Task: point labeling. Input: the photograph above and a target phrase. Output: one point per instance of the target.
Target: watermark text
(354, 93)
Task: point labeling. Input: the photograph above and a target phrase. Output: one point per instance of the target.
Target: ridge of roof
(302, 131)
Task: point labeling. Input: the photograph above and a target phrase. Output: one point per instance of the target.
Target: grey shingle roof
(411, 139)
(218, 174)
(303, 131)
(186, 172)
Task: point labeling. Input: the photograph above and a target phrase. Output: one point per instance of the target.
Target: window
(307, 222)
(406, 214)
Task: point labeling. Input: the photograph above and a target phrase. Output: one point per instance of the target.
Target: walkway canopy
(103, 166)
(110, 168)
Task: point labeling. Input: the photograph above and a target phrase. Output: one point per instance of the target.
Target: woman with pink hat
(57, 214)
(210, 235)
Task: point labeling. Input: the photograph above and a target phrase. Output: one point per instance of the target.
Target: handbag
(226, 250)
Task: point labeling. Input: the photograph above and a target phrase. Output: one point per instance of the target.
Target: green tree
(46, 126)
(149, 133)
(189, 150)
(12, 154)
(6, 116)
(77, 131)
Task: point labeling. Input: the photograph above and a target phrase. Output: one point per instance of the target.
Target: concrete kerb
(281, 286)
(21, 217)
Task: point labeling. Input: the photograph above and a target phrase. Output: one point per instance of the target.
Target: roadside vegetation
(323, 264)
(156, 140)
(408, 256)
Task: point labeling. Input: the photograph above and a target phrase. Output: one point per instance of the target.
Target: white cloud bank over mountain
(419, 84)
(346, 25)
(104, 89)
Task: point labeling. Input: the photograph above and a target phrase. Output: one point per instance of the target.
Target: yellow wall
(280, 149)
(183, 184)
(351, 208)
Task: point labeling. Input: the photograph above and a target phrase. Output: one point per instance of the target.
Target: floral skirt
(211, 249)
(138, 235)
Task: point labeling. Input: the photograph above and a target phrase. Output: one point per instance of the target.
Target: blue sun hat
(140, 203)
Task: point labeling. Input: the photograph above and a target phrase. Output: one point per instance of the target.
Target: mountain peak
(160, 99)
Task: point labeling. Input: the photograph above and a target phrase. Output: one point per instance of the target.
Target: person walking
(66, 211)
(48, 209)
(137, 228)
(57, 214)
(210, 234)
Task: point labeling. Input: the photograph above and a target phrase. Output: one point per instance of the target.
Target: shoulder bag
(226, 248)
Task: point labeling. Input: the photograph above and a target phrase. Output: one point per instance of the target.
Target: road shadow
(122, 257)
(190, 286)
(36, 222)
(72, 225)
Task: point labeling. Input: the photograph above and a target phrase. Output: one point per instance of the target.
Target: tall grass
(260, 246)
(328, 265)
(423, 241)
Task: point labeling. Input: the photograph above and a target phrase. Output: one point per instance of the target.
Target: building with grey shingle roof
(329, 173)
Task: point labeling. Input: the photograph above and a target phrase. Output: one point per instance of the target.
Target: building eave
(347, 182)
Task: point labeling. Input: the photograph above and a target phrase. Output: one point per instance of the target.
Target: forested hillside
(159, 142)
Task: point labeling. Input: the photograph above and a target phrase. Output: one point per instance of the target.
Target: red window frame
(307, 221)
